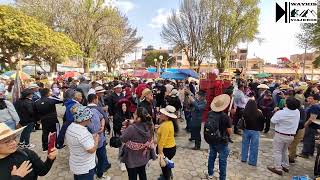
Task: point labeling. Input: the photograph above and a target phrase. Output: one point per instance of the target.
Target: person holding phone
(82, 144)
(18, 163)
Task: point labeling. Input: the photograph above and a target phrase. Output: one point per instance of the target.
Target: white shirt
(79, 140)
(240, 100)
(286, 121)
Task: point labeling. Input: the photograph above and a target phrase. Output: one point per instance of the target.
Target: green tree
(155, 54)
(100, 30)
(309, 38)
(186, 30)
(24, 37)
(117, 42)
(230, 22)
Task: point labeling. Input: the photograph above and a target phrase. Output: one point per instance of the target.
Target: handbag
(115, 141)
(241, 123)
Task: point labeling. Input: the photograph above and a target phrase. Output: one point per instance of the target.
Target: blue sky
(149, 15)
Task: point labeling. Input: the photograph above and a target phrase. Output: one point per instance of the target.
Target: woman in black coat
(122, 113)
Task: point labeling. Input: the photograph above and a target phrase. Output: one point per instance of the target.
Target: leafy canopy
(155, 54)
(25, 36)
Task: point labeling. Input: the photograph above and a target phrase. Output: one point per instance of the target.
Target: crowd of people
(141, 119)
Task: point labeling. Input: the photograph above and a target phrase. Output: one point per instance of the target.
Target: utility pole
(304, 62)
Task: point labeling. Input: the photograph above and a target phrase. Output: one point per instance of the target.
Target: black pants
(134, 172)
(169, 153)
(45, 133)
(238, 115)
(309, 141)
(196, 135)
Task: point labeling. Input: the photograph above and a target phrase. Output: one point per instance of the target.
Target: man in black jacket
(47, 112)
(26, 111)
(114, 98)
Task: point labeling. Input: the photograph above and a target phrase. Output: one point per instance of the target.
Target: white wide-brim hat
(169, 111)
(263, 86)
(220, 103)
(118, 86)
(33, 85)
(174, 92)
(99, 89)
(6, 131)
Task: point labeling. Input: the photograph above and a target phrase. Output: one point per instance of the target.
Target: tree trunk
(86, 65)
(53, 67)
(221, 64)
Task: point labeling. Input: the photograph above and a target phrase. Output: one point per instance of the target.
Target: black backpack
(212, 132)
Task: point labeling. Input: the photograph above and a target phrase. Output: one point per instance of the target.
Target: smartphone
(52, 142)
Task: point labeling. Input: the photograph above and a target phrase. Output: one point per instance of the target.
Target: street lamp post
(237, 63)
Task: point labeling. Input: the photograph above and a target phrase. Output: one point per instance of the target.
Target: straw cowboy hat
(263, 86)
(285, 87)
(169, 111)
(7, 132)
(220, 103)
(145, 93)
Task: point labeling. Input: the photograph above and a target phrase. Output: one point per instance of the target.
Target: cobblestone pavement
(189, 164)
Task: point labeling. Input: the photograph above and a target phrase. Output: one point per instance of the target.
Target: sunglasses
(7, 140)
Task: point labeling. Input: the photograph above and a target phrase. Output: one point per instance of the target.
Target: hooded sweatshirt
(69, 103)
(136, 133)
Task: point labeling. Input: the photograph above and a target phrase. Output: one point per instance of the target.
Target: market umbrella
(263, 75)
(175, 76)
(149, 75)
(12, 74)
(138, 73)
(71, 74)
(189, 73)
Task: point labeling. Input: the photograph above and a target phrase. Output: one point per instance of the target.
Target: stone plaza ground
(189, 164)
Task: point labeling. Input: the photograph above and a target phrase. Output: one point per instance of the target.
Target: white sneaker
(104, 177)
(30, 146)
(123, 167)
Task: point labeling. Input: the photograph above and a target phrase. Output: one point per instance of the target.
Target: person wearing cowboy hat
(267, 106)
(147, 102)
(217, 117)
(114, 98)
(166, 141)
(26, 111)
(82, 144)
(198, 106)
(18, 163)
(173, 100)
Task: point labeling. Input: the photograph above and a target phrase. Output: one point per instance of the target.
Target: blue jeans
(88, 176)
(103, 162)
(250, 140)
(223, 151)
(11, 124)
(25, 135)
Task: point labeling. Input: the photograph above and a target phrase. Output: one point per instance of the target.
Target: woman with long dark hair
(253, 124)
(166, 142)
(138, 144)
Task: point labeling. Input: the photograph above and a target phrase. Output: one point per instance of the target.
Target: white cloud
(160, 19)
(123, 5)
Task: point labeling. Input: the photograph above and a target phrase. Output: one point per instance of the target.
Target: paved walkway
(190, 164)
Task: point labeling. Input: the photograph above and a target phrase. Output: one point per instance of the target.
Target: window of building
(179, 58)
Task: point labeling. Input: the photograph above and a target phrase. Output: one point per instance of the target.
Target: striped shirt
(79, 140)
